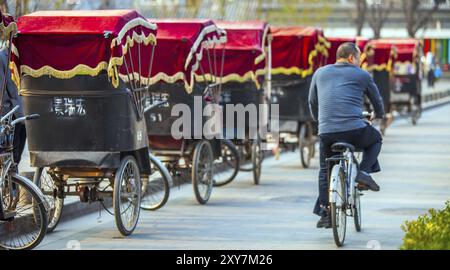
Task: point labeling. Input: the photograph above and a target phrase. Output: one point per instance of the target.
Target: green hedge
(429, 232)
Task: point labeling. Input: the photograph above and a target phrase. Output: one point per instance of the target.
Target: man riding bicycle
(336, 100)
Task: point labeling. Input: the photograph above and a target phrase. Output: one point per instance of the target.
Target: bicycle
(344, 195)
(23, 208)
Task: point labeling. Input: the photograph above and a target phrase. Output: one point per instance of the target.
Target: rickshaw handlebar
(6, 116)
(25, 118)
(20, 119)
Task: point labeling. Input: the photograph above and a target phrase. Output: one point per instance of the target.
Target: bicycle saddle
(341, 147)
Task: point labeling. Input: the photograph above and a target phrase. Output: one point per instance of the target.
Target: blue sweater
(336, 97)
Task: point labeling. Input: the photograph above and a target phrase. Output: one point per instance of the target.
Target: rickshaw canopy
(335, 42)
(407, 53)
(244, 52)
(298, 50)
(380, 55)
(181, 45)
(64, 44)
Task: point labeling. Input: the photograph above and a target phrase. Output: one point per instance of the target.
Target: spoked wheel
(257, 158)
(127, 195)
(338, 215)
(202, 171)
(306, 145)
(24, 206)
(357, 210)
(230, 161)
(245, 155)
(155, 187)
(44, 181)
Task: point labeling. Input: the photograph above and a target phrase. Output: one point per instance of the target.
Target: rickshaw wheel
(257, 158)
(246, 155)
(155, 185)
(305, 145)
(230, 157)
(45, 182)
(202, 171)
(127, 195)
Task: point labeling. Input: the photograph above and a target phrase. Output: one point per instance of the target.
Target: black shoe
(367, 180)
(324, 222)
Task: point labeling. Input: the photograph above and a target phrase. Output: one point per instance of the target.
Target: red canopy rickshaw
(395, 64)
(296, 53)
(182, 44)
(244, 78)
(86, 74)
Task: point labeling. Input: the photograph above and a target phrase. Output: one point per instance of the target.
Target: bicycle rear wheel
(337, 208)
(27, 224)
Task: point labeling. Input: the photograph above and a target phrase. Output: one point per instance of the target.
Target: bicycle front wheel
(25, 223)
(337, 208)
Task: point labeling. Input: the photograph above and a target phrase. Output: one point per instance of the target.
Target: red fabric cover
(69, 43)
(180, 47)
(244, 56)
(383, 53)
(292, 47)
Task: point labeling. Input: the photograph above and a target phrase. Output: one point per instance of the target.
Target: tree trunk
(361, 11)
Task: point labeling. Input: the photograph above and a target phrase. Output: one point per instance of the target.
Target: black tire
(257, 158)
(127, 177)
(245, 156)
(304, 144)
(357, 210)
(24, 218)
(44, 181)
(230, 159)
(202, 171)
(159, 184)
(338, 215)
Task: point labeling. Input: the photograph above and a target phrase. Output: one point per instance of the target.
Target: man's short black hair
(346, 49)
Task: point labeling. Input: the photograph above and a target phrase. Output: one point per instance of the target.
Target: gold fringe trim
(11, 28)
(234, 77)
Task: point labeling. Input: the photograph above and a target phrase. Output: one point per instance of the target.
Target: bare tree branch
(416, 18)
(379, 12)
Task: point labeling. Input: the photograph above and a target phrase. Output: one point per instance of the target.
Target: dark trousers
(367, 139)
(20, 137)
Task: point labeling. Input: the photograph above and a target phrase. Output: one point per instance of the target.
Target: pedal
(9, 215)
